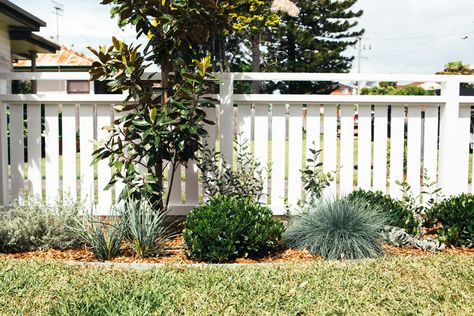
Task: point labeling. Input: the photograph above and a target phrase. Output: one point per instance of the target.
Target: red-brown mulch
(176, 255)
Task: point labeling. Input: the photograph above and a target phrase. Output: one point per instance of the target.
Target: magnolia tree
(163, 121)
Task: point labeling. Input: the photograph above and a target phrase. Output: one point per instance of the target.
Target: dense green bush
(398, 214)
(226, 228)
(455, 217)
(33, 225)
(145, 228)
(339, 229)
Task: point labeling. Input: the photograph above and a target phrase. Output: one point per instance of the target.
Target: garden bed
(176, 254)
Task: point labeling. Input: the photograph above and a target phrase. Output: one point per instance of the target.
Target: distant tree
(456, 68)
(384, 89)
(314, 41)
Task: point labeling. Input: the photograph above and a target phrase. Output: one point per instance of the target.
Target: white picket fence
(282, 129)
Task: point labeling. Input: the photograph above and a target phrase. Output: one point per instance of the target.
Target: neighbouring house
(343, 89)
(68, 60)
(428, 86)
(17, 38)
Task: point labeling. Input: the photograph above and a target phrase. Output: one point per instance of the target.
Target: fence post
(3, 148)
(451, 165)
(226, 117)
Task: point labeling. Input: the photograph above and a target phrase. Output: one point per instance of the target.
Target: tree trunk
(255, 47)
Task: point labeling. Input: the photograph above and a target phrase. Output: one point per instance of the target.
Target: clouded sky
(402, 36)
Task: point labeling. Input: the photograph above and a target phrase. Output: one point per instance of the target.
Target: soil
(176, 254)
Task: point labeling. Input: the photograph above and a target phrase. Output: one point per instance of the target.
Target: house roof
(65, 58)
(14, 16)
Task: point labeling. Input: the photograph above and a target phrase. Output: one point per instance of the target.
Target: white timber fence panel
(373, 142)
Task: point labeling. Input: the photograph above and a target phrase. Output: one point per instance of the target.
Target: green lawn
(438, 285)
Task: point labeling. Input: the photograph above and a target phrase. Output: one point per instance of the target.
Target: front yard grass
(434, 285)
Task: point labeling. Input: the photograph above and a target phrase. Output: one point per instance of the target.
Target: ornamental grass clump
(338, 229)
(226, 228)
(146, 228)
(103, 238)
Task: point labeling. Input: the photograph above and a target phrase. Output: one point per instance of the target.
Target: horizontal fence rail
(372, 142)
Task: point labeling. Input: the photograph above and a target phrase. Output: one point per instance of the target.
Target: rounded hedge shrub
(339, 229)
(455, 217)
(398, 215)
(226, 228)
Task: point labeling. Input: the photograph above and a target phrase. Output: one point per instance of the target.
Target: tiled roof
(64, 57)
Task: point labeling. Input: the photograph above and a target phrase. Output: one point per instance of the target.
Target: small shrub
(146, 228)
(339, 229)
(314, 179)
(34, 225)
(398, 215)
(102, 238)
(245, 181)
(226, 228)
(455, 219)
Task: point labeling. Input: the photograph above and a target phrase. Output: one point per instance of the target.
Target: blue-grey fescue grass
(338, 229)
(146, 228)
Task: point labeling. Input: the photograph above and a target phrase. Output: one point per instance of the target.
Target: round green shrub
(455, 216)
(398, 215)
(339, 229)
(226, 228)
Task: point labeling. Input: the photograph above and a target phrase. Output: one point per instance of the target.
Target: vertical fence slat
(397, 148)
(464, 132)
(330, 144)
(278, 158)
(414, 148)
(69, 150)
(210, 140)
(295, 156)
(103, 169)
(52, 151)
(35, 183)
(175, 183)
(4, 199)
(347, 149)
(430, 145)
(191, 186)
(244, 121)
(16, 151)
(86, 134)
(380, 148)
(261, 142)
(313, 128)
(364, 159)
(226, 120)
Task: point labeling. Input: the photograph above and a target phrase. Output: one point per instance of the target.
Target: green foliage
(33, 225)
(393, 90)
(103, 238)
(455, 217)
(163, 123)
(314, 179)
(245, 181)
(456, 68)
(339, 229)
(419, 205)
(226, 228)
(398, 214)
(314, 41)
(146, 229)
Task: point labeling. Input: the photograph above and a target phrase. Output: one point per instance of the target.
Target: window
(78, 87)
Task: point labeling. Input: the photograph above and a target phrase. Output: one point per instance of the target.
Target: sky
(401, 36)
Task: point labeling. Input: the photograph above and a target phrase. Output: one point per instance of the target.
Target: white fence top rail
(261, 76)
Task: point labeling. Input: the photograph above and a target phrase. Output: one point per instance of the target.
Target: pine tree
(314, 41)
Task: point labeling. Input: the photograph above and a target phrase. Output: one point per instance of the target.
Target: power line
(416, 37)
